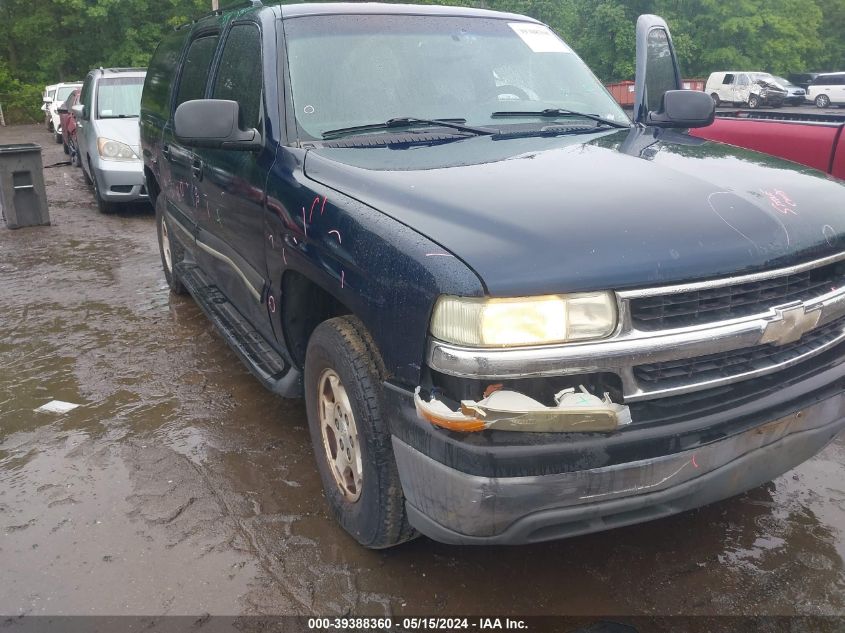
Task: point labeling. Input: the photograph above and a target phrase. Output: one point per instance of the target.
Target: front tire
(171, 250)
(753, 102)
(103, 205)
(822, 101)
(351, 440)
(716, 99)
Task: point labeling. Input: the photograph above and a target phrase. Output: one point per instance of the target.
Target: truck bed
(815, 140)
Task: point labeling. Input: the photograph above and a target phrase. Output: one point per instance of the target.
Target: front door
(743, 88)
(232, 187)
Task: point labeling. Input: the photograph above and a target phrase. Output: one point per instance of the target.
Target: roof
(378, 8)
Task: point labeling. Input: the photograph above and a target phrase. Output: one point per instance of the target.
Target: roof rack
(122, 70)
(236, 5)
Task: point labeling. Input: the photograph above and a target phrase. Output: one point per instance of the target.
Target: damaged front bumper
(453, 506)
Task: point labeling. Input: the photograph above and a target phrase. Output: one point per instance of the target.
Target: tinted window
(729, 79)
(239, 75)
(195, 69)
(160, 75)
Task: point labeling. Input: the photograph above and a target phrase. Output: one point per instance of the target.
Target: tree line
(45, 41)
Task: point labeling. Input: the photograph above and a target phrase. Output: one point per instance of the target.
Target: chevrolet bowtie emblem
(789, 325)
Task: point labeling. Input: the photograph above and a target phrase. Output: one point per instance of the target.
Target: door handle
(196, 168)
(165, 151)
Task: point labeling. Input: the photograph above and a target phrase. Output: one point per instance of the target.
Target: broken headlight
(524, 321)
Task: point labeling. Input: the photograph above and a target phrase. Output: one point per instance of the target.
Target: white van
(753, 89)
(54, 99)
(827, 90)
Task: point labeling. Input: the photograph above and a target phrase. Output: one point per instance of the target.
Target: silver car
(108, 136)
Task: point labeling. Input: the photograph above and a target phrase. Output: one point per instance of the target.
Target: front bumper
(121, 181)
(453, 507)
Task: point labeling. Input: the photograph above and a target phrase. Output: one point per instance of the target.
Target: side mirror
(657, 66)
(213, 123)
(78, 110)
(685, 109)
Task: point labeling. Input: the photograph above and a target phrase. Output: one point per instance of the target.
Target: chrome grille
(723, 303)
(737, 362)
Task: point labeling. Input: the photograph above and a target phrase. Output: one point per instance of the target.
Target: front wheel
(753, 102)
(103, 205)
(822, 101)
(351, 440)
(716, 99)
(170, 249)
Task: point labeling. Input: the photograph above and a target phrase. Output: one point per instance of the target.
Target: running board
(265, 363)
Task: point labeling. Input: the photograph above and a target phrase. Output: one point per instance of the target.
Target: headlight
(524, 321)
(115, 150)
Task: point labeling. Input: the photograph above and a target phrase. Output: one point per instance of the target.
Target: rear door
(180, 183)
(233, 181)
(726, 89)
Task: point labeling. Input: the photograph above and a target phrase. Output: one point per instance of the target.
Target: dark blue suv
(514, 314)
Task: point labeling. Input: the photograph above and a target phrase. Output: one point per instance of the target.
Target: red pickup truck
(815, 140)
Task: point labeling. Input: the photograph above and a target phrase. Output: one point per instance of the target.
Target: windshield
(119, 97)
(355, 70)
(63, 93)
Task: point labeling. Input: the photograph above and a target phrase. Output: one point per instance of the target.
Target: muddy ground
(180, 486)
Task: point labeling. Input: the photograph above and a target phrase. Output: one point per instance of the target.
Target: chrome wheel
(340, 435)
(165, 247)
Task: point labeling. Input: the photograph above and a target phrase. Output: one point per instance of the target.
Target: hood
(123, 130)
(614, 210)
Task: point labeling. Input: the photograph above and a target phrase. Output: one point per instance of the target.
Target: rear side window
(160, 75)
(239, 76)
(729, 79)
(195, 69)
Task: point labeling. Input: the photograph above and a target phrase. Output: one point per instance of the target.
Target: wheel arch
(297, 325)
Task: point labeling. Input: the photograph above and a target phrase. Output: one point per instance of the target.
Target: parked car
(513, 314)
(802, 80)
(68, 124)
(46, 99)
(814, 140)
(107, 135)
(827, 90)
(57, 97)
(753, 89)
(795, 95)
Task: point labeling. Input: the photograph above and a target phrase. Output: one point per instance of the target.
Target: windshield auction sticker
(539, 38)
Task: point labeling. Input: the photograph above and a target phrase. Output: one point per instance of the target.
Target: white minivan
(753, 89)
(827, 90)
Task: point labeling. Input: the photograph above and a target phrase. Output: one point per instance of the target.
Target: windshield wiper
(553, 113)
(398, 122)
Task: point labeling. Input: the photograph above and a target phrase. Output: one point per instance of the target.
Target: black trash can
(23, 199)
